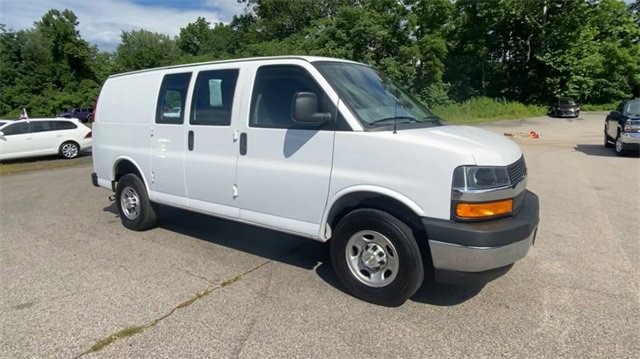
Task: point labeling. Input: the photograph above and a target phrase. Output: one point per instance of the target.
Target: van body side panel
(124, 120)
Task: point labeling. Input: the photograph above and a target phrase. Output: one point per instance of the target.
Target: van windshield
(374, 98)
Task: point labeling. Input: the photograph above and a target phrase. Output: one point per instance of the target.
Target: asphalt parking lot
(73, 278)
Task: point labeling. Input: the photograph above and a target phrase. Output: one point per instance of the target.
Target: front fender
(383, 191)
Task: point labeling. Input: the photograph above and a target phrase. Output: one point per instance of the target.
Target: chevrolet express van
(321, 148)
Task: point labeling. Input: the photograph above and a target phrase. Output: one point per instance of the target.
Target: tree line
(443, 51)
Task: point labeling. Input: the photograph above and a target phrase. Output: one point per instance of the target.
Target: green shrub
(599, 107)
(481, 109)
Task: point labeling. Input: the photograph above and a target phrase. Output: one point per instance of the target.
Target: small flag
(23, 115)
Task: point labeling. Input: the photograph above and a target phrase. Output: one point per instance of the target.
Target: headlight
(470, 178)
(631, 126)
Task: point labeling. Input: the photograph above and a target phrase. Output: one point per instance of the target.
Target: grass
(41, 163)
(190, 301)
(599, 107)
(483, 109)
(231, 281)
(124, 333)
(25, 165)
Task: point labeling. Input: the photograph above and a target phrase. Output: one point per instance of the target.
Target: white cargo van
(322, 148)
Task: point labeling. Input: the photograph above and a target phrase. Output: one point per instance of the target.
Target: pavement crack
(199, 276)
(137, 329)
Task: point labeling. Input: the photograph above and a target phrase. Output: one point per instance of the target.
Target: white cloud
(102, 21)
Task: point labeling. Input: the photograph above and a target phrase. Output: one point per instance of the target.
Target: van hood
(484, 147)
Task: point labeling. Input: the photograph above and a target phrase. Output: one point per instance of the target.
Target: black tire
(69, 150)
(135, 210)
(399, 284)
(577, 114)
(618, 146)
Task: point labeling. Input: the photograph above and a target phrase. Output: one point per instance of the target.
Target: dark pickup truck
(81, 113)
(622, 127)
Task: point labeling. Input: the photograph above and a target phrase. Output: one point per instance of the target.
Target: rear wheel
(375, 256)
(69, 150)
(134, 207)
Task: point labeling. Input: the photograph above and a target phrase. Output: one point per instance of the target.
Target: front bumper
(483, 246)
(566, 113)
(631, 138)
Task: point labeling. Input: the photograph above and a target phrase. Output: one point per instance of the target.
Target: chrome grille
(517, 171)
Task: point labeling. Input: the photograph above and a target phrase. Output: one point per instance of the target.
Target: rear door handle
(190, 141)
(243, 143)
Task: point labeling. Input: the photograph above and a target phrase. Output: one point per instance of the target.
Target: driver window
(273, 95)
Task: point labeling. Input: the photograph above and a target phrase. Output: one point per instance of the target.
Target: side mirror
(305, 110)
(615, 113)
(1, 134)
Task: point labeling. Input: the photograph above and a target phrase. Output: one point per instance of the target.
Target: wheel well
(124, 167)
(372, 200)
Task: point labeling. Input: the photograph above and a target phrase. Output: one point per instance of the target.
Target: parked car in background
(566, 107)
(81, 113)
(622, 127)
(91, 117)
(43, 136)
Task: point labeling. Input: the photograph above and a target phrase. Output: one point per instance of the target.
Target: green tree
(47, 68)
(143, 49)
(195, 38)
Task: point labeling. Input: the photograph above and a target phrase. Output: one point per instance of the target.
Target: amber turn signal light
(479, 210)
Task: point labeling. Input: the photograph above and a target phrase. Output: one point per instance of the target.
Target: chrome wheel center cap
(131, 203)
(373, 256)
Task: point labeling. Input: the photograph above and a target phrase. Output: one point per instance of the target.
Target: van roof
(305, 58)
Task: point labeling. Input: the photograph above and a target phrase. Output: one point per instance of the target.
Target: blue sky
(102, 21)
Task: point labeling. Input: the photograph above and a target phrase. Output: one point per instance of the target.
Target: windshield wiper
(408, 119)
(432, 118)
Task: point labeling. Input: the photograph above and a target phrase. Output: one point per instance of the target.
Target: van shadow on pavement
(600, 150)
(289, 249)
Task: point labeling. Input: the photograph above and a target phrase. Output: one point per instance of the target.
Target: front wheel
(619, 146)
(134, 207)
(377, 258)
(69, 150)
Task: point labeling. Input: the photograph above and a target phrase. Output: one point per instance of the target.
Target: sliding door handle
(190, 141)
(243, 143)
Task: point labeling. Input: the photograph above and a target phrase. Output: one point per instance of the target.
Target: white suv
(43, 136)
(322, 148)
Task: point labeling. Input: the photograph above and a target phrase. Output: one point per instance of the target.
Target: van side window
(173, 95)
(213, 98)
(273, 94)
